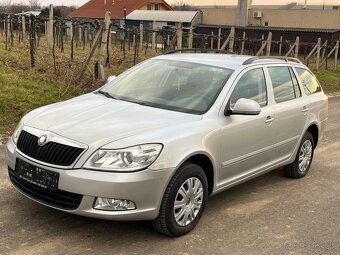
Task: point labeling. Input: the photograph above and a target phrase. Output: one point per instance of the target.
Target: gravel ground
(267, 215)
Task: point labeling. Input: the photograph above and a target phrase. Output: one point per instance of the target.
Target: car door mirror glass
(245, 106)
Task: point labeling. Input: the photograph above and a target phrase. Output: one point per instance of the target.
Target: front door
(246, 140)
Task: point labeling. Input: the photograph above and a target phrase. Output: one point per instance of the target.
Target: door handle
(269, 119)
(305, 109)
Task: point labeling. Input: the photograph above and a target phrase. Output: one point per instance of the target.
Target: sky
(200, 2)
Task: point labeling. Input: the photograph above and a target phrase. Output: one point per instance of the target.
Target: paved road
(268, 215)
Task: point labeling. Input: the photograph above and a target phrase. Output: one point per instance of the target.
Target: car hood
(95, 119)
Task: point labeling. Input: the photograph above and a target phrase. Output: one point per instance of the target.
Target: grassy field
(23, 88)
(330, 80)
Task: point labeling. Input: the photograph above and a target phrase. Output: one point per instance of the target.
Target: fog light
(113, 204)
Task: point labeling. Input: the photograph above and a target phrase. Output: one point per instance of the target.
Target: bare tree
(5, 6)
(182, 6)
(34, 5)
(8, 6)
(19, 7)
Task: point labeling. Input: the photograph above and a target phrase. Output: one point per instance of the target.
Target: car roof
(231, 61)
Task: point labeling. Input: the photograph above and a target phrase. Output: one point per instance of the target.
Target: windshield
(172, 85)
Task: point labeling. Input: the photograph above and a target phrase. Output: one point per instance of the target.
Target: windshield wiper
(107, 94)
(134, 101)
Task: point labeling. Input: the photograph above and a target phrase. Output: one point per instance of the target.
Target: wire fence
(101, 35)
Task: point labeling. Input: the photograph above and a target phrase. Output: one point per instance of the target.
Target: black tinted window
(308, 81)
(282, 83)
(252, 85)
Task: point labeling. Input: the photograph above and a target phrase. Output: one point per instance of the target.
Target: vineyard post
(85, 36)
(219, 38)
(269, 44)
(89, 55)
(336, 54)
(19, 30)
(243, 41)
(280, 46)
(102, 51)
(318, 49)
(297, 44)
(264, 44)
(80, 36)
(190, 37)
(324, 50)
(141, 36)
(108, 46)
(153, 35)
(179, 33)
(330, 53)
(23, 24)
(135, 54)
(11, 30)
(31, 40)
(224, 45)
(50, 30)
(232, 39)
(8, 31)
(72, 40)
(62, 36)
(168, 41)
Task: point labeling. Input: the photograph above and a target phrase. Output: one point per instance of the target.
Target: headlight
(16, 132)
(128, 159)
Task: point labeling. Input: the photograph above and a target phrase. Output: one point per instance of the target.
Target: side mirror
(111, 78)
(245, 106)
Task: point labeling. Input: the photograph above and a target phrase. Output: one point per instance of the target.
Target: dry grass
(23, 88)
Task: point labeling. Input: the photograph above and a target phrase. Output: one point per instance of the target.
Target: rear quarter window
(309, 83)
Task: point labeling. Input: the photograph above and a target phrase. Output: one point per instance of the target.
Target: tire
(294, 170)
(166, 222)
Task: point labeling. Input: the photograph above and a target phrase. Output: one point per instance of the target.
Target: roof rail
(199, 50)
(287, 59)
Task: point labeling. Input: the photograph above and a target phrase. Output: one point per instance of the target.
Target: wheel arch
(206, 162)
(314, 130)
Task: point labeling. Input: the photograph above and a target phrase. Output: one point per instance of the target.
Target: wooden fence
(99, 36)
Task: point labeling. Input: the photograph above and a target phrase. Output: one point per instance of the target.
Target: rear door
(290, 111)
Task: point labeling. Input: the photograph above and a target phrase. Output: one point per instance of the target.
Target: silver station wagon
(155, 142)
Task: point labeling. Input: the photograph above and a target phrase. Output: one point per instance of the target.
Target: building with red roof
(95, 9)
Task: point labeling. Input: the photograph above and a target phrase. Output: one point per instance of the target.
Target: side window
(308, 81)
(252, 85)
(295, 83)
(283, 86)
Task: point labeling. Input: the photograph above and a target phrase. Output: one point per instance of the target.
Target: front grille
(59, 199)
(51, 153)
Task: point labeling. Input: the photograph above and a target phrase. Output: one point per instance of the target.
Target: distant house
(34, 13)
(95, 9)
(164, 18)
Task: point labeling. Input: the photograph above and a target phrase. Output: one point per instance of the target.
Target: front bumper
(145, 188)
